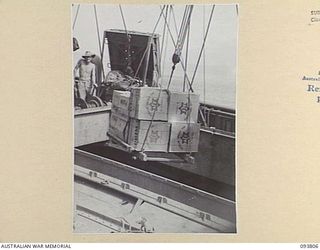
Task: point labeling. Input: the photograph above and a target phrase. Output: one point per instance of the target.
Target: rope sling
(177, 54)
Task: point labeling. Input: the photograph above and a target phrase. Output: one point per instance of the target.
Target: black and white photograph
(154, 116)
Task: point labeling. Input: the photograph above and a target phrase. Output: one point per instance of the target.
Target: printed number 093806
(309, 245)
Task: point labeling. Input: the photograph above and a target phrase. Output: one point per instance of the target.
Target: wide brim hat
(88, 54)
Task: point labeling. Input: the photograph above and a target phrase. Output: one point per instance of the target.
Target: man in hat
(85, 72)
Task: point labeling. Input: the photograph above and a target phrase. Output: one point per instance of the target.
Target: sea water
(212, 91)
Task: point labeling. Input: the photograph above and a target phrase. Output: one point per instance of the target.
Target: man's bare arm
(93, 76)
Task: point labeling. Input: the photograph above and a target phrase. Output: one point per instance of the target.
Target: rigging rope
(123, 20)
(176, 29)
(75, 18)
(164, 31)
(128, 49)
(182, 65)
(97, 27)
(171, 74)
(182, 33)
(174, 20)
(176, 58)
(99, 40)
(204, 41)
(186, 60)
(204, 55)
(164, 56)
(144, 54)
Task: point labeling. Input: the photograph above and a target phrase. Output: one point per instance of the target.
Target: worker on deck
(85, 75)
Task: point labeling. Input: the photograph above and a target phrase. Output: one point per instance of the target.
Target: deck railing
(217, 119)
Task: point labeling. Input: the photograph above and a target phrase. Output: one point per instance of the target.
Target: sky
(215, 79)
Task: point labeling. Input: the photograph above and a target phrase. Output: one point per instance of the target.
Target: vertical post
(156, 63)
(102, 54)
(156, 41)
(147, 61)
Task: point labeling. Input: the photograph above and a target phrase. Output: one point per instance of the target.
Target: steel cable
(202, 47)
(75, 18)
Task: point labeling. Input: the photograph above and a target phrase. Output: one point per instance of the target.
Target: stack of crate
(152, 119)
(183, 116)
